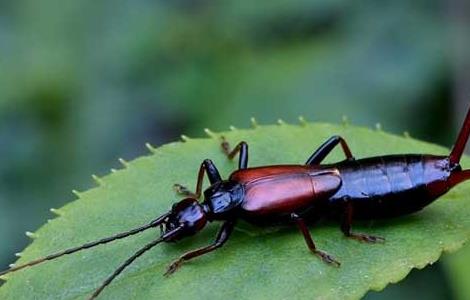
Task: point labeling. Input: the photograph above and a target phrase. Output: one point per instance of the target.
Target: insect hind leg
(322, 152)
(459, 147)
(459, 176)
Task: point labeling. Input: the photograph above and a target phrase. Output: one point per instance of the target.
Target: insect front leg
(322, 152)
(223, 235)
(241, 148)
(346, 227)
(208, 167)
(311, 245)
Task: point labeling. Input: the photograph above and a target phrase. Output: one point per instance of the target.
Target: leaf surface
(256, 263)
(458, 268)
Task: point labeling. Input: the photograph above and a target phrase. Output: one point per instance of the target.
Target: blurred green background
(84, 82)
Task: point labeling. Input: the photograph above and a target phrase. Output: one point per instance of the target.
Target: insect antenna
(118, 236)
(131, 259)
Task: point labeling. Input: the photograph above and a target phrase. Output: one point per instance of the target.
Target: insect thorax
(223, 198)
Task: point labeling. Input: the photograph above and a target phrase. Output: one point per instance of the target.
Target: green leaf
(458, 268)
(256, 263)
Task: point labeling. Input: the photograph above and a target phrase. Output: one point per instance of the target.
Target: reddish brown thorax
(277, 189)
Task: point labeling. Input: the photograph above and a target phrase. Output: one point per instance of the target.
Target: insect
(352, 189)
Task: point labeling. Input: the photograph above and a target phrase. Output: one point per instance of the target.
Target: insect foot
(173, 267)
(327, 258)
(182, 190)
(367, 238)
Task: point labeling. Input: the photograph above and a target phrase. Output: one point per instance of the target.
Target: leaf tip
(124, 163)
(281, 122)
(406, 134)
(55, 211)
(254, 123)
(97, 180)
(31, 235)
(302, 121)
(18, 254)
(113, 170)
(184, 138)
(76, 193)
(378, 127)
(150, 148)
(345, 120)
(209, 132)
(232, 128)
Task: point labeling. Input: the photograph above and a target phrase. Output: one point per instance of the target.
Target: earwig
(352, 189)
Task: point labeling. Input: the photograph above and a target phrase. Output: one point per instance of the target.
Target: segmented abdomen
(390, 185)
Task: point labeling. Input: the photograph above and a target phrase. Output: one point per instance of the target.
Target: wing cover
(285, 189)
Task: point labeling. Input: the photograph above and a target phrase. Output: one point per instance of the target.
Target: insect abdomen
(391, 185)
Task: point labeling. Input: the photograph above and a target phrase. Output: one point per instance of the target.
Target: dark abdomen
(391, 186)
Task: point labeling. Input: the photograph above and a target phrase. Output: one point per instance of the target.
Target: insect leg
(311, 245)
(222, 237)
(241, 148)
(319, 155)
(458, 177)
(462, 139)
(212, 173)
(346, 227)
